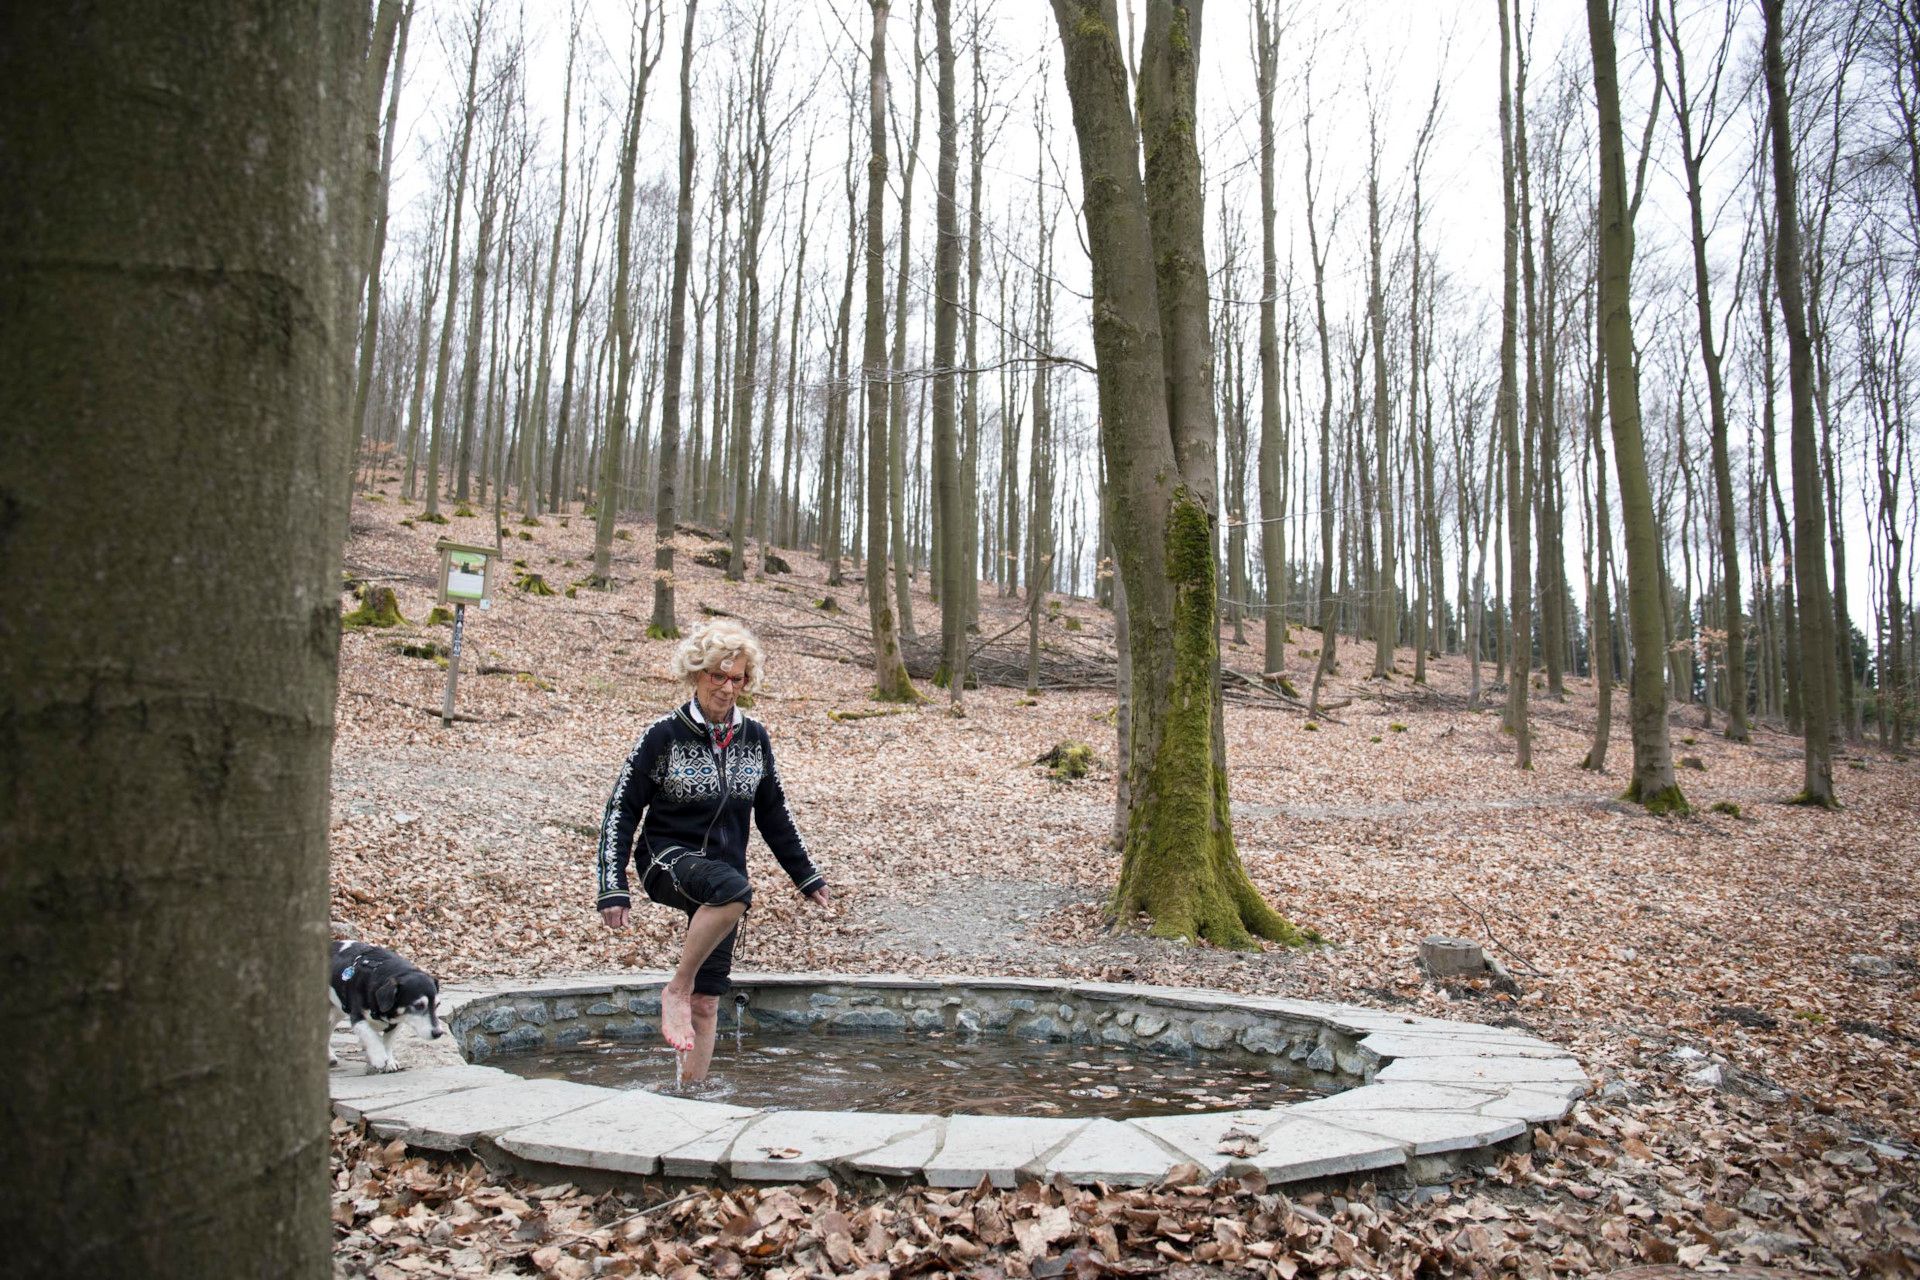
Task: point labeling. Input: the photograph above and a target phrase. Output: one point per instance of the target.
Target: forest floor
(1741, 986)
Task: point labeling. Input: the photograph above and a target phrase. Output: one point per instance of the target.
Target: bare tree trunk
(663, 624)
(1600, 606)
(1809, 512)
(1653, 783)
(429, 291)
(889, 671)
(785, 514)
(1273, 443)
(178, 350)
(1040, 531)
(470, 361)
(469, 110)
(970, 412)
(529, 470)
(897, 391)
(955, 515)
(648, 40)
(1519, 543)
(1386, 610)
(385, 42)
(1327, 612)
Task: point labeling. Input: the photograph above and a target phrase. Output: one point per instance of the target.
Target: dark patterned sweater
(697, 796)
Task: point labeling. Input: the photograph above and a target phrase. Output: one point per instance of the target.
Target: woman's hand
(820, 898)
(615, 917)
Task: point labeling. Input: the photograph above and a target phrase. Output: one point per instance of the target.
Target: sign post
(466, 577)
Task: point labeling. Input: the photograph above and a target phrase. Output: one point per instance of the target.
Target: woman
(697, 775)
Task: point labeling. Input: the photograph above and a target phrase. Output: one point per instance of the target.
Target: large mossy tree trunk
(173, 300)
(1653, 783)
(1157, 433)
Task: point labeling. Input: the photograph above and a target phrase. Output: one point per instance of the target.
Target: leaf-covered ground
(1742, 987)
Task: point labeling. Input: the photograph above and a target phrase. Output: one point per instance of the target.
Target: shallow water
(933, 1073)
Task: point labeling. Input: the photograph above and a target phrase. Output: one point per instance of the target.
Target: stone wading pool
(1414, 1097)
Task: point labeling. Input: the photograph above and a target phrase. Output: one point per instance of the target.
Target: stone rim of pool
(1429, 1096)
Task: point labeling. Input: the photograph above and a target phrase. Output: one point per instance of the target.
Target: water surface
(932, 1072)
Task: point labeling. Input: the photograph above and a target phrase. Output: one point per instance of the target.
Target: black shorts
(684, 880)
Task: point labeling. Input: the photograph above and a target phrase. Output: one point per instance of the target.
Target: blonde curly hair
(716, 640)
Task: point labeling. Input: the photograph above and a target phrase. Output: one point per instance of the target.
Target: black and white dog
(378, 992)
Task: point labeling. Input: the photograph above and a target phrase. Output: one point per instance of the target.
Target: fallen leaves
(1240, 1142)
(1778, 952)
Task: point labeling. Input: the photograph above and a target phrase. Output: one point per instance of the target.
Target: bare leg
(706, 1016)
(708, 928)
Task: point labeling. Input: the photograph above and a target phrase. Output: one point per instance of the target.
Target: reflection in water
(932, 1073)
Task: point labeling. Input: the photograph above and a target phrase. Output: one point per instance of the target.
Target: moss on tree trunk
(1180, 865)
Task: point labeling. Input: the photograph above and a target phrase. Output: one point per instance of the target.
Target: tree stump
(1452, 958)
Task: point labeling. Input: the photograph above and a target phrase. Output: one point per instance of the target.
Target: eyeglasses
(722, 679)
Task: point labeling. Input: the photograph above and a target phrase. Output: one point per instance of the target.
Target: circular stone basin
(1421, 1095)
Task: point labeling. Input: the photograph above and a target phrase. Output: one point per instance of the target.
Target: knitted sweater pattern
(678, 789)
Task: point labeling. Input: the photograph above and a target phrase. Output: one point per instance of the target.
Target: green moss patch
(1067, 761)
(426, 650)
(379, 607)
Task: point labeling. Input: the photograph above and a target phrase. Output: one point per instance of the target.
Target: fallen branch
(1487, 929)
(868, 713)
(414, 706)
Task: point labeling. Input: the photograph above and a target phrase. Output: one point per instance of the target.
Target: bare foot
(676, 1018)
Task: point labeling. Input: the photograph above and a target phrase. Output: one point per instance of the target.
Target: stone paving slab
(1531, 1105)
(1427, 1132)
(820, 1141)
(628, 1133)
(1545, 1074)
(906, 1157)
(1112, 1151)
(705, 1156)
(355, 1093)
(1292, 1146)
(454, 1121)
(1418, 1044)
(1002, 1148)
(1405, 1096)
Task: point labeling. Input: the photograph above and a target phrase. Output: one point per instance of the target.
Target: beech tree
(666, 508)
(889, 669)
(1652, 784)
(1158, 437)
(177, 349)
(956, 514)
(1809, 510)
(648, 40)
